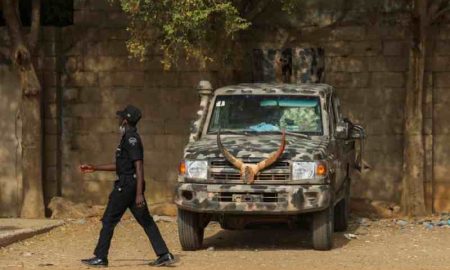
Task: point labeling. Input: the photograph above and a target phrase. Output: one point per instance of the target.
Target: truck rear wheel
(190, 230)
(322, 229)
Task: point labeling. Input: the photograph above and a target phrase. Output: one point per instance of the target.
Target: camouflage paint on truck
(292, 199)
(290, 195)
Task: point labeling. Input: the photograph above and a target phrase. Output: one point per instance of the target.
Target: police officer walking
(128, 192)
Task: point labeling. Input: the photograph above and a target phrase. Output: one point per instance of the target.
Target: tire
(342, 212)
(322, 229)
(190, 230)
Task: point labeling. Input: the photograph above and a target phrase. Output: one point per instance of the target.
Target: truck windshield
(265, 114)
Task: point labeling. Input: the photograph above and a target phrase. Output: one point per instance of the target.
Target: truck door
(339, 145)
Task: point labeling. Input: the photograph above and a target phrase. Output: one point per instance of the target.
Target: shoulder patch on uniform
(132, 140)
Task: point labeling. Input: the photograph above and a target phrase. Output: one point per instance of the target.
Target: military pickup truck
(263, 153)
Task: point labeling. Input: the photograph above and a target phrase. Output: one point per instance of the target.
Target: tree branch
(14, 27)
(260, 6)
(4, 54)
(35, 24)
(435, 15)
(433, 7)
(295, 34)
(20, 55)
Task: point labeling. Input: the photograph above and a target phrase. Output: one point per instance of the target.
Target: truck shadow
(272, 237)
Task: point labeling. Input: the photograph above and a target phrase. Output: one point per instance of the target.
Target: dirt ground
(380, 244)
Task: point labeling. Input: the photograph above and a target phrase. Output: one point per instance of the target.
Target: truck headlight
(196, 169)
(308, 170)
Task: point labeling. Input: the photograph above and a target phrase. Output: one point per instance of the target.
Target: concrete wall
(367, 66)
(49, 57)
(87, 76)
(99, 79)
(438, 115)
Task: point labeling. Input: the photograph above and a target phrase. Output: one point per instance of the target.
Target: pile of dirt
(63, 208)
(163, 209)
(380, 209)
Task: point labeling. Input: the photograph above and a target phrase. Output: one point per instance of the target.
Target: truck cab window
(259, 113)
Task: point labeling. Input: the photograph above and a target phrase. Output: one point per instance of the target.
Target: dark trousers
(122, 197)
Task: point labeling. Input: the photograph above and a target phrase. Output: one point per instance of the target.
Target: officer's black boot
(96, 262)
(164, 260)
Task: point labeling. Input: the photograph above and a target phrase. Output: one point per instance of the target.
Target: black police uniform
(123, 196)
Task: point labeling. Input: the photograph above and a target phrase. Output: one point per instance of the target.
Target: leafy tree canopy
(203, 28)
(182, 26)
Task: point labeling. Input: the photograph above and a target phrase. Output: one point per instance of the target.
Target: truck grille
(261, 177)
(223, 171)
(264, 197)
(225, 163)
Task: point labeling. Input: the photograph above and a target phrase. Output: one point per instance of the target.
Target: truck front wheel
(322, 229)
(190, 230)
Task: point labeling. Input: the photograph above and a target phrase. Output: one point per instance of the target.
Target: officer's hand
(87, 168)
(140, 200)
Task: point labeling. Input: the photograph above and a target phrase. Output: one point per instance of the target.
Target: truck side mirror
(342, 130)
(357, 132)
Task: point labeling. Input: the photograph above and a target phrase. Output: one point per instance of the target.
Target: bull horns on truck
(250, 171)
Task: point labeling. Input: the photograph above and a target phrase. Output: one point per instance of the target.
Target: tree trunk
(33, 194)
(413, 196)
(33, 202)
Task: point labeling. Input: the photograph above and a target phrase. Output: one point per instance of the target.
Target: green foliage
(206, 29)
(182, 27)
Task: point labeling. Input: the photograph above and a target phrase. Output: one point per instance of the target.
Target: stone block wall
(367, 66)
(438, 119)
(49, 73)
(88, 75)
(100, 78)
(369, 76)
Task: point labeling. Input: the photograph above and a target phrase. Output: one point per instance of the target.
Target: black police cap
(131, 113)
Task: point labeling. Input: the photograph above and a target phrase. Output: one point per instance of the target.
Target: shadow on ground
(271, 237)
(8, 228)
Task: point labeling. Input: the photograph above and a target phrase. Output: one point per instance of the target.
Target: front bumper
(252, 199)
